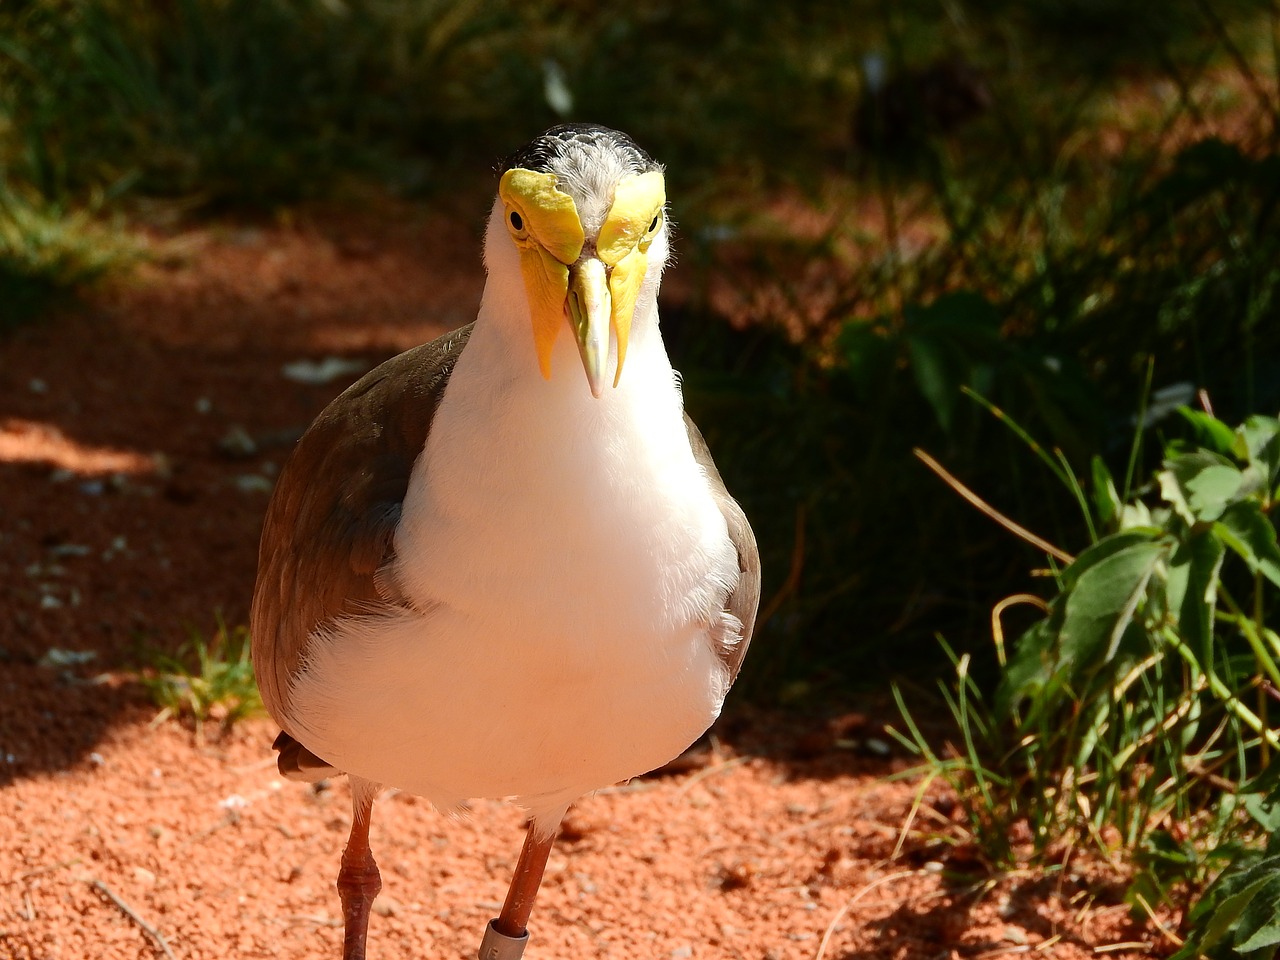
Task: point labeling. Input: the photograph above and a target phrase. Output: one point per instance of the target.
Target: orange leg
(514, 919)
(358, 880)
(505, 937)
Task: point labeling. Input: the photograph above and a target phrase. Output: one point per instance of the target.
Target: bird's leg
(505, 937)
(358, 879)
(514, 919)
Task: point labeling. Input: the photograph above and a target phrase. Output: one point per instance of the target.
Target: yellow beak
(589, 313)
(595, 299)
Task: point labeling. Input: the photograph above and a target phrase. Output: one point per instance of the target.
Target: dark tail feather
(296, 762)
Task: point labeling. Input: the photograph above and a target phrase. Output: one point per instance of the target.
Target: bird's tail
(296, 762)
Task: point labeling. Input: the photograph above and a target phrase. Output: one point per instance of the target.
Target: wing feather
(323, 542)
(745, 599)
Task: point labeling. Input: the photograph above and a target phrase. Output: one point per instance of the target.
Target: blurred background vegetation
(1068, 208)
(1040, 201)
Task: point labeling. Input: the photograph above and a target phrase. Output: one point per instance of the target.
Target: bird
(480, 576)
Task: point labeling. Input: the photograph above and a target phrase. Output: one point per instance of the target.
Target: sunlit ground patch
(29, 441)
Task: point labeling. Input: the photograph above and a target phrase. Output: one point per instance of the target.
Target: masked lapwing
(484, 575)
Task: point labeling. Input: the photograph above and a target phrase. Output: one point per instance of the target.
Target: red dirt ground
(138, 437)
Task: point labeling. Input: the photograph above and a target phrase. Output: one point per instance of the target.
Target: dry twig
(835, 921)
(156, 936)
(1017, 529)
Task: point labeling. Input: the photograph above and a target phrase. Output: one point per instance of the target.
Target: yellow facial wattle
(623, 244)
(544, 224)
(634, 217)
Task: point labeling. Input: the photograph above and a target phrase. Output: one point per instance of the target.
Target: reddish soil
(139, 433)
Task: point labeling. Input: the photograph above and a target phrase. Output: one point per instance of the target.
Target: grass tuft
(207, 681)
(1137, 716)
(47, 250)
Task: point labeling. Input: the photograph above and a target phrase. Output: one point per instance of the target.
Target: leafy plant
(46, 249)
(1239, 914)
(207, 680)
(248, 102)
(1136, 714)
(1041, 253)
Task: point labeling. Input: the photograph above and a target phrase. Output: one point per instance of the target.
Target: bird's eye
(517, 221)
(657, 218)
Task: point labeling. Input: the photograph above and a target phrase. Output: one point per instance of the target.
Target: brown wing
(330, 522)
(744, 600)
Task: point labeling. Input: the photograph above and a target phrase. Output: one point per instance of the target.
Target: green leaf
(1222, 905)
(963, 313)
(951, 342)
(1106, 501)
(1105, 548)
(1257, 441)
(1135, 515)
(1199, 485)
(939, 372)
(868, 350)
(1264, 810)
(1250, 533)
(1192, 590)
(1210, 431)
(1031, 667)
(1268, 783)
(1104, 601)
(1260, 919)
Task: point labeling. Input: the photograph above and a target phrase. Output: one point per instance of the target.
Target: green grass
(206, 681)
(1136, 718)
(47, 250)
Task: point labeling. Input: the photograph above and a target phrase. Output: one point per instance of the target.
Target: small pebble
(237, 444)
(69, 550)
(1015, 935)
(253, 483)
(56, 657)
(319, 372)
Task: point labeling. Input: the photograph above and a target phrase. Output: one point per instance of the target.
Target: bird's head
(583, 208)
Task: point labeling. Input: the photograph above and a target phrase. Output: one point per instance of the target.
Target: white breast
(567, 569)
